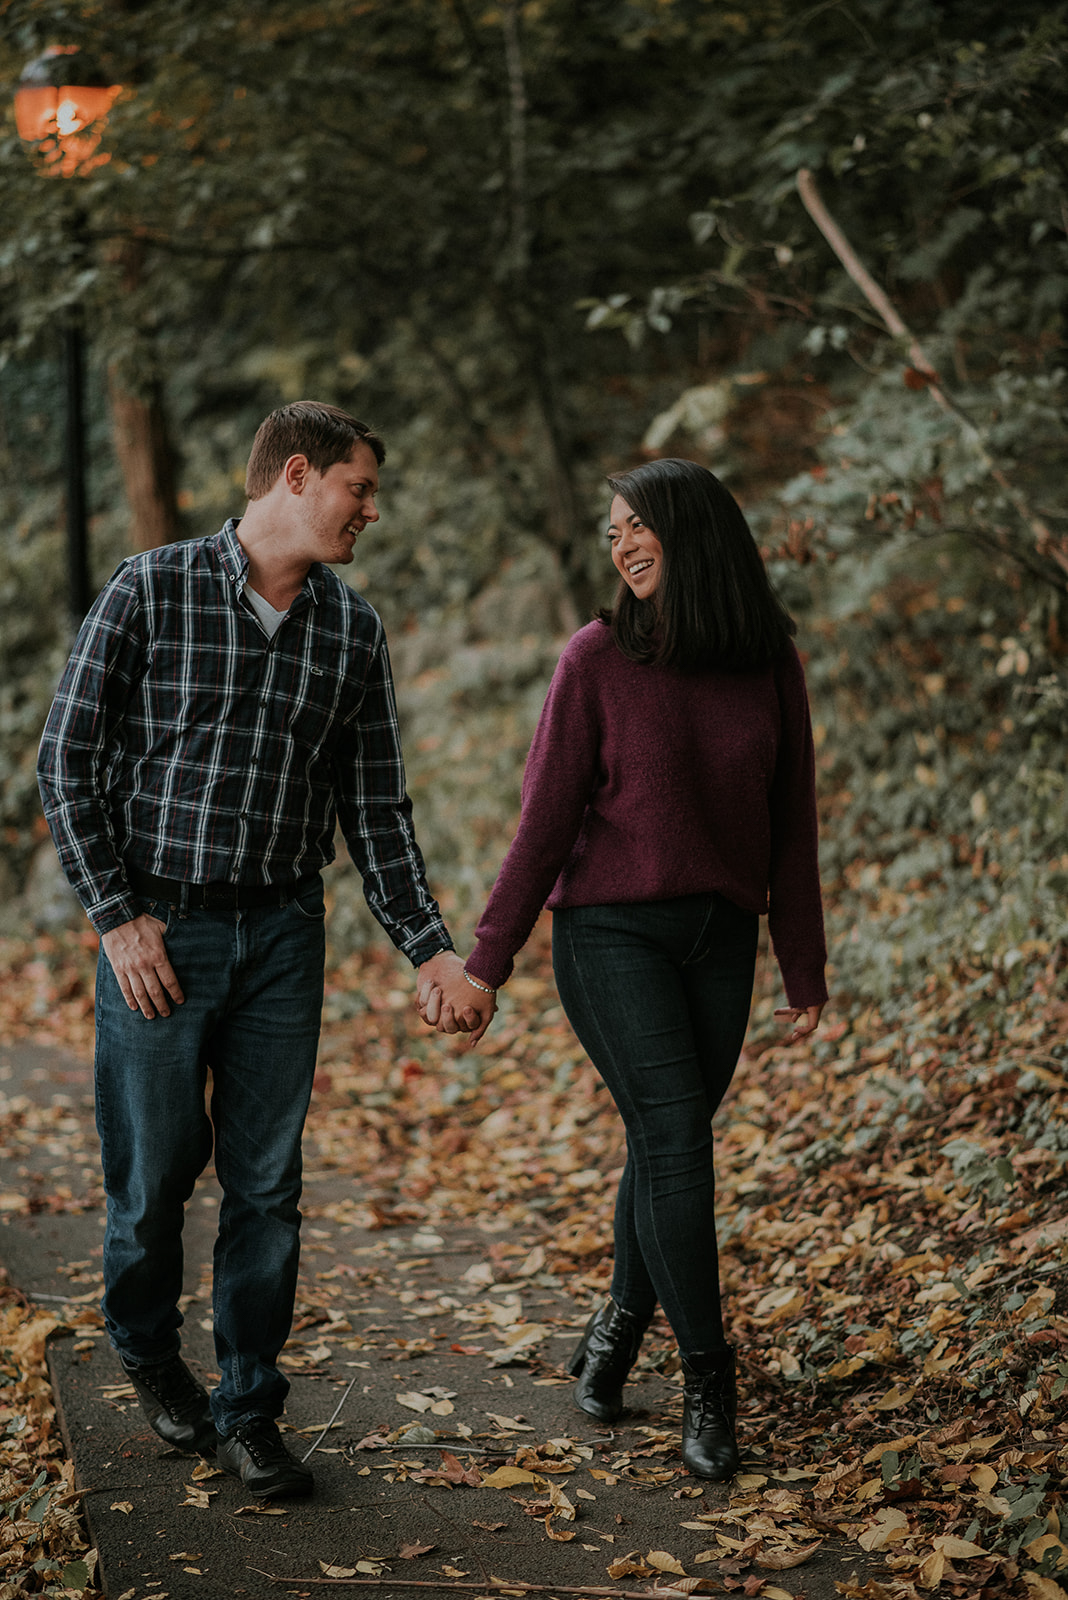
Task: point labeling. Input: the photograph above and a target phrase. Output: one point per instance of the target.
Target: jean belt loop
(183, 900)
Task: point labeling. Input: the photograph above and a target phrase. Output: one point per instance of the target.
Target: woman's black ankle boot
(604, 1356)
(709, 1410)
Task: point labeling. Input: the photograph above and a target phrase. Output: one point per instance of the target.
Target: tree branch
(875, 296)
(517, 138)
(504, 1586)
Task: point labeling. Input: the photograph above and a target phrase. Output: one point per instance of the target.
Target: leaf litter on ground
(893, 1220)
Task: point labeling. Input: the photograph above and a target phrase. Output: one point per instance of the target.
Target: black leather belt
(214, 896)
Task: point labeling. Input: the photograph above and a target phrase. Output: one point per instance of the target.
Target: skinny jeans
(253, 985)
(658, 994)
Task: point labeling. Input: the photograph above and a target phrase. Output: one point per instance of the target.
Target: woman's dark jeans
(658, 994)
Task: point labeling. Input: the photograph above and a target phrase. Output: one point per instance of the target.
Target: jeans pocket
(159, 910)
(310, 904)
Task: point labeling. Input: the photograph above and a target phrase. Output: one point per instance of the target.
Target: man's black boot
(603, 1359)
(709, 1410)
(254, 1452)
(175, 1404)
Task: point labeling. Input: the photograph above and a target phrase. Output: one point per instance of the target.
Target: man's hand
(140, 962)
(806, 1020)
(448, 1000)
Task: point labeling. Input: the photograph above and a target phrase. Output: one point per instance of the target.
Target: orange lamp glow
(64, 121)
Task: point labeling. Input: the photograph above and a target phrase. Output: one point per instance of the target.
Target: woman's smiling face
(636, 551)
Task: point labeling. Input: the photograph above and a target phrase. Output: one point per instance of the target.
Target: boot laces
(173, 1386)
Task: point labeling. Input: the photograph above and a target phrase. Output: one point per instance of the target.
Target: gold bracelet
(476, 985)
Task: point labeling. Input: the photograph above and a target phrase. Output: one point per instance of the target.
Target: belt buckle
(220, 894)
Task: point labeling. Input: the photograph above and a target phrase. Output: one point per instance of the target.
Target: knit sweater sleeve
(560, 776)
(795, 910)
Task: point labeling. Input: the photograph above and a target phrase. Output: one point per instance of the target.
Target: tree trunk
(143, 448)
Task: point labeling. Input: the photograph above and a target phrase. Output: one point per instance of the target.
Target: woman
(668, 801)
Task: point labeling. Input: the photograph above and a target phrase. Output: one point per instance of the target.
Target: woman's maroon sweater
(644, 782)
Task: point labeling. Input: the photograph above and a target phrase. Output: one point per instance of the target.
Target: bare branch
(517, 137)
(876, 297)
(504, 1586)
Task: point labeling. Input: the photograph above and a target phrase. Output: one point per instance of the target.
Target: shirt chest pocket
(316, 717)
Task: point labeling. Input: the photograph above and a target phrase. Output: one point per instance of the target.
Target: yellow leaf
(984, 1478)
(1047, 1541)
(779, 1304)
(931, 1571)
(893, 1399)
(900, 1445)
(957, 1549)
(786, 1556)
(664, 1562)
(1036, 1306)
(508, 1478)
(890, 1525)
(750, 1480)
(770, 1592)
(1043, 1588)
(125, 1506)
(561, 1535)
(337, 1572)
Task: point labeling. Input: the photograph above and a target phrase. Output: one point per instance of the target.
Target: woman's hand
(450, 1002)
(806, 1020)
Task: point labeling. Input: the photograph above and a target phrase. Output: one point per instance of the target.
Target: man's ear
(295, 474)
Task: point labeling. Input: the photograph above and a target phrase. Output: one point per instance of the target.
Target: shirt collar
(235, 560)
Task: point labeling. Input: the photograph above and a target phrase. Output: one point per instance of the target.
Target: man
(227, 701)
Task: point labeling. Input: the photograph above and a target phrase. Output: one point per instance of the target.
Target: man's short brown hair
(325, 434)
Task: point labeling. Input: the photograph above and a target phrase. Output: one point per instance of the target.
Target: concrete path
(396, 1330)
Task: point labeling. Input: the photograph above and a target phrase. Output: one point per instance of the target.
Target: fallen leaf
(125, 1506)
(200, 1498)
(786, 1556)
(508, 1478)
(631, 1566)
(336, 1572)
(408, 1552)
(510, 1424)
(1043, 1588)
(663, 1561)
(957, 1549)
(415, 1402)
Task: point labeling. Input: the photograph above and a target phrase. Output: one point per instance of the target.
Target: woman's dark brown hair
(714, 605)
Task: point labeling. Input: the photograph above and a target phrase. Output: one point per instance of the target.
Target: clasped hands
(448, 1001)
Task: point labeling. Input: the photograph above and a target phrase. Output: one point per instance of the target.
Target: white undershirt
(270, 620)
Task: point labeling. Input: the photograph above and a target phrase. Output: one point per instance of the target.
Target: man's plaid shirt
(184, 742)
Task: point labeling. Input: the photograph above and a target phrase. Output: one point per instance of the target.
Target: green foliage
(412, 210)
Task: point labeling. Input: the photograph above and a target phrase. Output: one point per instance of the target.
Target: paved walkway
(396, 1330)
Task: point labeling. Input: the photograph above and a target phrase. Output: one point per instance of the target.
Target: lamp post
(60, 110)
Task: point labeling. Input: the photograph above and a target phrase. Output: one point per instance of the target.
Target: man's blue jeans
(658, 994)
(253, 985)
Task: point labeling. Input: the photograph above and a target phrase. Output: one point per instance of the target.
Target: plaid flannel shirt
(184, 742)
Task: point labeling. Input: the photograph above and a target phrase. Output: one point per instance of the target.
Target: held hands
(806, 1020)
(139, 960)
(450, 1002)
